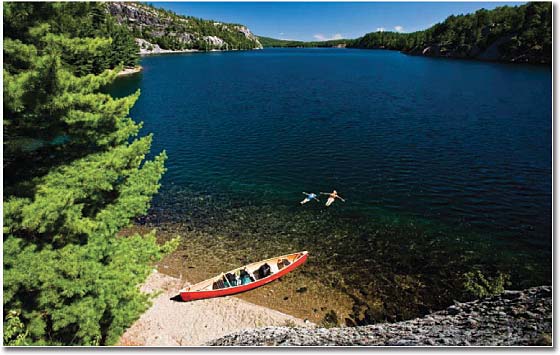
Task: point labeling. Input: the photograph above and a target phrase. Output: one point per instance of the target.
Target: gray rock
(139, 17)
(493, 323)
(471, 323)
(453, 310)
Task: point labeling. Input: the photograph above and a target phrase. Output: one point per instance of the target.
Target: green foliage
(15, 333)
(479, 286)
(280, 43)
(521, 33)
(75, 173)
(78, 22)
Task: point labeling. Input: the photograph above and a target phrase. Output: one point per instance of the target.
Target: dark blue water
(461, 144)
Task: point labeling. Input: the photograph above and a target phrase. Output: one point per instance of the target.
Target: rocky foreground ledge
(512, 318)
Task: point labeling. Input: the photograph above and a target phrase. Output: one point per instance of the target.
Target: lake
(442, 163)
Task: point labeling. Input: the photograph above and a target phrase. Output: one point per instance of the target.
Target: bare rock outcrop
(160, 31)
(511, 319)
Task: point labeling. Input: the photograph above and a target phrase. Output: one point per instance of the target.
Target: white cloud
(399, 28)
(321, 37)
(380, 29)
(281, 33)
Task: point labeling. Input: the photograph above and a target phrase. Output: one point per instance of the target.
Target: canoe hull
(199, 295)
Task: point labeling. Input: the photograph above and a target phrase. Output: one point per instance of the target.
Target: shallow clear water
(445, 166)
(463, 144)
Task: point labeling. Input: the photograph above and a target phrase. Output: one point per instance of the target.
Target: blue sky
(327, 20)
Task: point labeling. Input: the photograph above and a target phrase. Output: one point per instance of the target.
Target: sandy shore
(173, 323)
(128, 71)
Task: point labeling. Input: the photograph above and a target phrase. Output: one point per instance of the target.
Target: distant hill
(280, 43)
(520, 34)
(158, 30)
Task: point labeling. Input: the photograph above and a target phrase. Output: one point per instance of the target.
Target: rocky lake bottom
(361, 269)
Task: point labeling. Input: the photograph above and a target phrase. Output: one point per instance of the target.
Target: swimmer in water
(332, 196)
(309, 197)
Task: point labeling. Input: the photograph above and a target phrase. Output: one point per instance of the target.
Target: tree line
(521, 33)
(283, 43)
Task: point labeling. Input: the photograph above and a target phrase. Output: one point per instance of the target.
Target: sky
(312, 21)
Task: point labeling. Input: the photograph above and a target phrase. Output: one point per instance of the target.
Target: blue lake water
(462, 144)
(445, 165)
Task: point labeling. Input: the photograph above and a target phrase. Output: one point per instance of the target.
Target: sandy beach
(173, 323)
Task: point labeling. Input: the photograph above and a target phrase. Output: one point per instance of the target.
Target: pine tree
(75, 174)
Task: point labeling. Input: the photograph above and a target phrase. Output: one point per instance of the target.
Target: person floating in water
(331, 198)
(309, 197)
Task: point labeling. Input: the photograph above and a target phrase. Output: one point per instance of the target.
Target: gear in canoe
(244, 278)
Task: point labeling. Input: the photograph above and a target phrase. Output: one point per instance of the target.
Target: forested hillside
(158, 28)
(282, 43)
(75, 174)
(513, 34)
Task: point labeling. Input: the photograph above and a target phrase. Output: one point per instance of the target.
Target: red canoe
(216, 287)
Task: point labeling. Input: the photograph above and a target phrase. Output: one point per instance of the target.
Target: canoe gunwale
(187, 294)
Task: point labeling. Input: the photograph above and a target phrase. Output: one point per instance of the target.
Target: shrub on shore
(479, 286)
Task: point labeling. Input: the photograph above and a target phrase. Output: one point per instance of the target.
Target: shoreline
(323, 298)
(394, 283)
(512, 318)
(410, 53)
(144, 52)
(299, 293)
(173, 323)
(167, 51)
(130, 71)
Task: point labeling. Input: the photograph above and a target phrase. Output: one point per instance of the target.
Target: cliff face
(159, 31)
(512, 318)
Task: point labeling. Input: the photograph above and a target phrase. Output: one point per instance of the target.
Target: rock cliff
(161, 31)
(512, 318)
